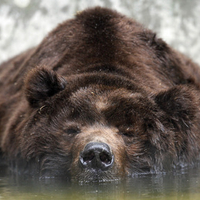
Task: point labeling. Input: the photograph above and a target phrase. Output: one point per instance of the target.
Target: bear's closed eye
(127, 134)
(72, 130)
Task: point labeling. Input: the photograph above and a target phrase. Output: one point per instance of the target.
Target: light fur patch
(101, 105)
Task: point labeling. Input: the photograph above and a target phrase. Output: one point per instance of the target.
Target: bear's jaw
(96, 176)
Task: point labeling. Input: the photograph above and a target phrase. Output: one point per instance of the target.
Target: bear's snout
(97, 155)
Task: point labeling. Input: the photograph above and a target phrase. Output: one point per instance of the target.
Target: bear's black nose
(97, 155)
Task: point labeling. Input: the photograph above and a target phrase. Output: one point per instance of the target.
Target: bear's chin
(93, 175)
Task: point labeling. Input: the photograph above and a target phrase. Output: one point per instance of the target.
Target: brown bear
(101, 98)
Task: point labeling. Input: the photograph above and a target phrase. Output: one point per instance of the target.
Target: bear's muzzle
(97, 155)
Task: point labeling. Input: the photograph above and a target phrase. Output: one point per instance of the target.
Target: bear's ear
(180, 103)
(41, 83)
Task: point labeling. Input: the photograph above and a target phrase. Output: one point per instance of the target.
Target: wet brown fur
(99, 77)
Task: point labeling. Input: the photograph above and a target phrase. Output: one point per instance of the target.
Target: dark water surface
(183, 185)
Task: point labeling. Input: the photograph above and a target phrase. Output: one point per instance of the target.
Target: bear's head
(101, 127)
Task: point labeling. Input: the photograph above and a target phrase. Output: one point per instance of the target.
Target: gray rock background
(24, 23)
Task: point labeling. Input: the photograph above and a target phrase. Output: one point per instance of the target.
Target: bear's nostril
(105, 158)
(97, 155)
(89, 156)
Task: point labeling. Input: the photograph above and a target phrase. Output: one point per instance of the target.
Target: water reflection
(182, 185)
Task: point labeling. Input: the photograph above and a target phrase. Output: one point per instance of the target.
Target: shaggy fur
(100, 77)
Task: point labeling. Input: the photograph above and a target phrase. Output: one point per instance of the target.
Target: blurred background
(24, 23)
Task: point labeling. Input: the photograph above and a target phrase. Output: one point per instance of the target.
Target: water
(23, 24)
(183, 185)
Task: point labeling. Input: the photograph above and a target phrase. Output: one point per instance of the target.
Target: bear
(101, 98)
